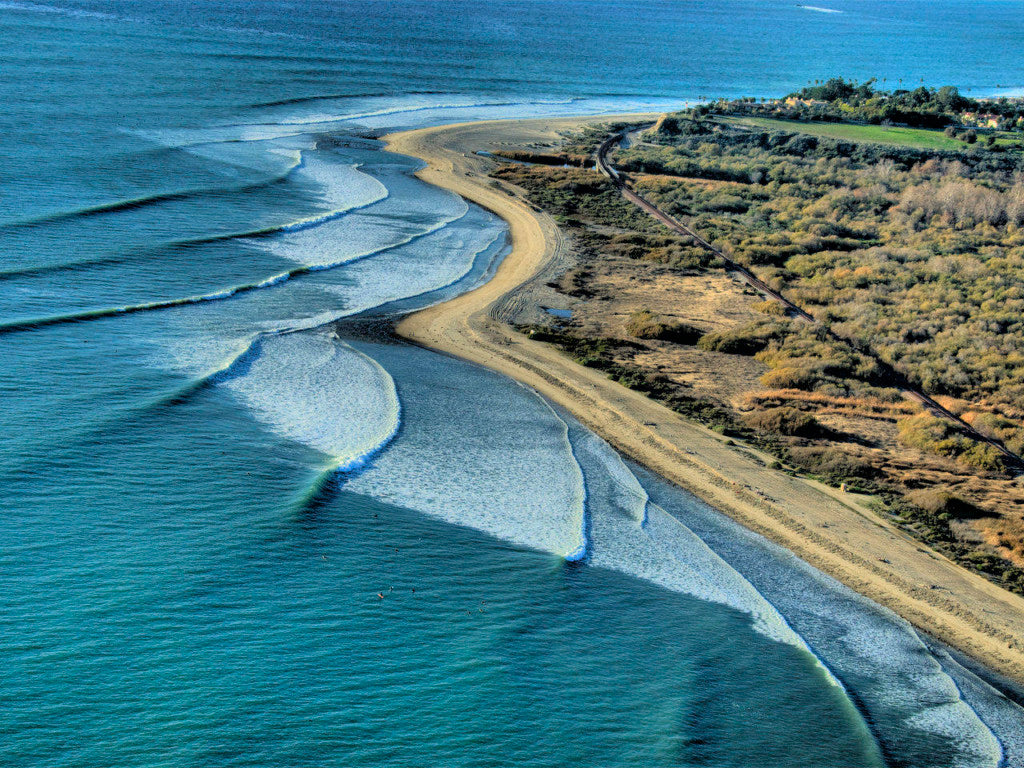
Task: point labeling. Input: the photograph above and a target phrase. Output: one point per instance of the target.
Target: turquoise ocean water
(236, 530)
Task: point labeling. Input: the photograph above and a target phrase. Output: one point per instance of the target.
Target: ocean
(240, 528)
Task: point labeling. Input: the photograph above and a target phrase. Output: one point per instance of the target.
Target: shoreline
(827, 528)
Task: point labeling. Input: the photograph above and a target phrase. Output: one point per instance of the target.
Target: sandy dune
(825, 527)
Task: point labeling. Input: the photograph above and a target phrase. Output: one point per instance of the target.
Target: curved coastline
(829, 529)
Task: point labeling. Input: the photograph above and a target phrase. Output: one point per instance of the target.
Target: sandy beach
(830, 529)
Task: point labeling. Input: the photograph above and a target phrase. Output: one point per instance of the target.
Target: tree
(949, 99)
(833, 89)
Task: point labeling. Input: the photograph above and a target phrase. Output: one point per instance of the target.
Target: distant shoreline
(829, 529)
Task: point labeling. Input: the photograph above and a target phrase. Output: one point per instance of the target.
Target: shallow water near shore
(240, 529)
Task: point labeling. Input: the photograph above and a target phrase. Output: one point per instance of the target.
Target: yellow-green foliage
(936, 435)
(644, 324)
(931, 433)
(1001, 428)
(791, 377)
(771, 307)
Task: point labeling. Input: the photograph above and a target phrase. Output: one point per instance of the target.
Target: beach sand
(830, 529)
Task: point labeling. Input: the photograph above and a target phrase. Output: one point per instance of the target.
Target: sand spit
(827, 528)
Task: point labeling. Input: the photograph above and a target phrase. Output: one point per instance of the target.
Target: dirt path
(825, 527)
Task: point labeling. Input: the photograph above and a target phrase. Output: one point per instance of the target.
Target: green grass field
(1009, 140)
(918, 138)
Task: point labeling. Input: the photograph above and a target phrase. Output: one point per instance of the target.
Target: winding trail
(890, 375)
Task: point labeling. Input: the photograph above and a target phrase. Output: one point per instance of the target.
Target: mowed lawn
(919, 138)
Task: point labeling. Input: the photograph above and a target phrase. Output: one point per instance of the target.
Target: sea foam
(478, 453)
(900, 685)
(316, 390)
(634, 536)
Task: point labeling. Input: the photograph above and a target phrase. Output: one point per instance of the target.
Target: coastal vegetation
(909, 252)
(841, 101)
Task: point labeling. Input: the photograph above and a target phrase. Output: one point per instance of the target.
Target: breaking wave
(508, 470)
(900, 684)
(143, 201)
(634, 536)
(226, 293)
(319, 391)
(396, 110)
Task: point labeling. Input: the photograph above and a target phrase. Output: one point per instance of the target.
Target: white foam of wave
(316, 390)
(1002, 716)
(478, 453)
(631, 535)
(516, 470)
(427, 264)
(343, 188)
(977, 747)
(391, 113)
(911, 679)
(410, 211)
(42, 8)
(405, 272)
(232, 156)
(438, 264)
(510, 110)
(818, 9)
(898, 681)
(582, 549)
(324, 119)
(274, 280)
(423, 266)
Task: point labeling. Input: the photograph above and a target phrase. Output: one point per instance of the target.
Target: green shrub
(833, 464)
(791, 377)
(939, 436)
(784, 421)
(746, 340)
(646, 325)
(771, 307)
(939, 501)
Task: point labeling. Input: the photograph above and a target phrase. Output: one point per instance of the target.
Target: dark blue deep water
(235, 532)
